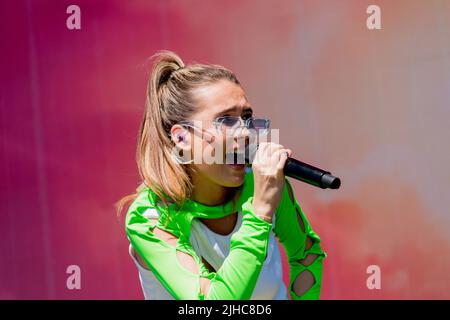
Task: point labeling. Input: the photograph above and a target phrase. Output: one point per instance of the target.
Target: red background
(371, 106)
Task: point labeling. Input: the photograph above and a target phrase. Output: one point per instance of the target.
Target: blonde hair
(169, 100)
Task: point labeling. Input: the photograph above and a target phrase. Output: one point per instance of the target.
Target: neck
(209, 193)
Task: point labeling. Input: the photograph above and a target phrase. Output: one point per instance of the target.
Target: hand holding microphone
(299, 170)
(268, 164)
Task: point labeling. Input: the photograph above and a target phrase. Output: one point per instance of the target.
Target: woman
(202, 230)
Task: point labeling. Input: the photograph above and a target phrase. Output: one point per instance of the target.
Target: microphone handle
(310, 174)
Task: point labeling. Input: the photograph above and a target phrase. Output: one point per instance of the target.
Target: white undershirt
(214, 248)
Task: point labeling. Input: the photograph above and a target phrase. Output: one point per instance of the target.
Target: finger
(272, 148)
(289, 152)
(267, 151)
(264, 151)
(283, 155)
(272, 155)
(275, 154)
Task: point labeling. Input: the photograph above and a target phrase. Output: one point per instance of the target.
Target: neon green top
(236, 279)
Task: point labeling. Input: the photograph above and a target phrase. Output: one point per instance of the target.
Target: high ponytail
(168, 101)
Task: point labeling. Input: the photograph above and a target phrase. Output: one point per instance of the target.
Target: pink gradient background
(371, 106)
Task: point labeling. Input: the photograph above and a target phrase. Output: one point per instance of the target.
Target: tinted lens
(258, 124)
(229, 122)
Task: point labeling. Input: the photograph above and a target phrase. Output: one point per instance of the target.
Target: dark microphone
(300, 171)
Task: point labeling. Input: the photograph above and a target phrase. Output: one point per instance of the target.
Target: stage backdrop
(372, 106)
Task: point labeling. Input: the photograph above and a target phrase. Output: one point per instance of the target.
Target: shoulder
(139, 205)
(135, 219)
(145, 209)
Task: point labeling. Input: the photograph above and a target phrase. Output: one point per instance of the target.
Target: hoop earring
(178, 159)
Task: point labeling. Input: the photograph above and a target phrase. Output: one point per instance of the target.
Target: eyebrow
(246, 109)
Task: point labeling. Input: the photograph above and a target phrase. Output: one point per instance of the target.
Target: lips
(237, 167)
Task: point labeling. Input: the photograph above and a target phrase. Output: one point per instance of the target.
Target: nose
(241, 138)
(245, 132)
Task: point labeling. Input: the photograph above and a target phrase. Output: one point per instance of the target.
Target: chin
(233, 178)
(234, 184)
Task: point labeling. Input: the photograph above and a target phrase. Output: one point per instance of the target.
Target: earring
(180, 159)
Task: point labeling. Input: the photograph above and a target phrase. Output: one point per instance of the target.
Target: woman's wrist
(265, 218)
(264, 212)
(262, 209)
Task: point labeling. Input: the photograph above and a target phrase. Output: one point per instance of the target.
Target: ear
(181, 137)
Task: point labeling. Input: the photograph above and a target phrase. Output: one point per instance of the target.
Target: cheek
(212, 166)
(214, 151)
